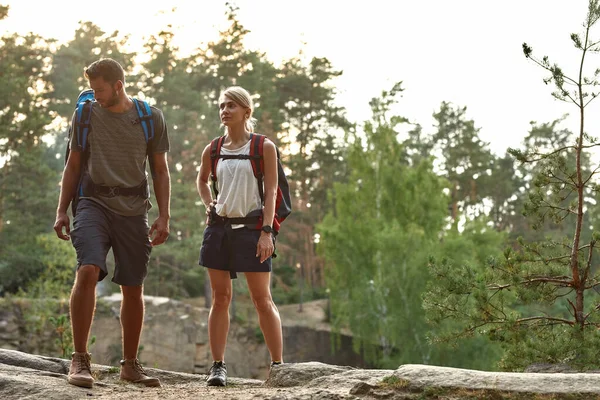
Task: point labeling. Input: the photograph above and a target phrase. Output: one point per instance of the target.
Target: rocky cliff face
(24, 376)
(175, 337)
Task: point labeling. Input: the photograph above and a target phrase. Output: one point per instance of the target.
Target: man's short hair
(107, 69)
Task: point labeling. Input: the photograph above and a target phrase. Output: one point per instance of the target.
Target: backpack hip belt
(90, 189)
(252, 221)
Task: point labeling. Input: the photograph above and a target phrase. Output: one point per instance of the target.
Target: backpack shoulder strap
(83, 116)
(145, 115)
(215, 151)
(257, 160)
(256, 154)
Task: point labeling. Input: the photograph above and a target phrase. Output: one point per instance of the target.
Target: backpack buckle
(113, 191)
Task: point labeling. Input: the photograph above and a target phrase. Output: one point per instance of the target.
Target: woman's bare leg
(268, 315)
(218, 318)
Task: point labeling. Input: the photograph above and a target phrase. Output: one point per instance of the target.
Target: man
(112, 212)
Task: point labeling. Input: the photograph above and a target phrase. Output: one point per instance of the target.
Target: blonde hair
(241, 96)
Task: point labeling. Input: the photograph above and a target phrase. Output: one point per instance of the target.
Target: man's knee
(87, 275)
(132, 292)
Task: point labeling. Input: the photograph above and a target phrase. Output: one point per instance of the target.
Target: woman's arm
(202, 184)
(265, 246)
(270, 182)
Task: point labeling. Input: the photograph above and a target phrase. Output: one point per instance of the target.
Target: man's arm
(68, 186)
(162, 190)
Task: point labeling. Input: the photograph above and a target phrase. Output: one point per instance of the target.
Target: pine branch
(589, 146)
(573, 310)
(546, 261)
(592, 174)
(592, 45)
(451, 310)
(562, 282)
(558, 296)
(565, 148)
(566, 210)
(566, 196)
(566, 173)
(542, 318)
(494, 307)
(593, 287)
(586, 316)
(498, 287)
(556, 280)
(594, 95)
(561, 180)
(544, 156)
(550, 69)
(589, 261)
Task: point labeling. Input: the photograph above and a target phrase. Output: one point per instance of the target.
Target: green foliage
(174, 271)
(377, 267)
(62, 328)
(294, 106)
(69, 61)
(379, 201)
(26, 175)
(514, 301)
(186, 90)
(47, 327)
(534, 299)
(393, 382)
(466, 159)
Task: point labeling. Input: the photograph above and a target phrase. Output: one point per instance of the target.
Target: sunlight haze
(466, 52)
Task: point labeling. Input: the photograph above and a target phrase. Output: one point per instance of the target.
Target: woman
(231, 243)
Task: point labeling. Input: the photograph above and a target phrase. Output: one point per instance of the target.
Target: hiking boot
(275, 363)
(217, 374)
(80, 372)
(132, 371)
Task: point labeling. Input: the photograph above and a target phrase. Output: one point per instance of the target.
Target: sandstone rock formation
(25, 376)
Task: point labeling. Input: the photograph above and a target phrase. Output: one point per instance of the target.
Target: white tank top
(238, 189)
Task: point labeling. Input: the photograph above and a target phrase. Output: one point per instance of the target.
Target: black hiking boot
(217, 374)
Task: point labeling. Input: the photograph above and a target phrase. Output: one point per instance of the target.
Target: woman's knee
(263, 304)
(221, 298)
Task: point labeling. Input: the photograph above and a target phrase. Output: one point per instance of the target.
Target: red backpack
(283, 204)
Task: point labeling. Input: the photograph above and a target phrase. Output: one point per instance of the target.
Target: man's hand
(161, 228)
(265, 246)
(62, 221)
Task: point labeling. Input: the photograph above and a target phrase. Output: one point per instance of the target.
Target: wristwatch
(267, 228)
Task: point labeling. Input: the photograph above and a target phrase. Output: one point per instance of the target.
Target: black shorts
(96, 229)
(232, 250)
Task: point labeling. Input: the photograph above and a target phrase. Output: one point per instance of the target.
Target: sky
(466, 52)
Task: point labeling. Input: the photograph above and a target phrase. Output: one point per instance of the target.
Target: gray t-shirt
(117, 157)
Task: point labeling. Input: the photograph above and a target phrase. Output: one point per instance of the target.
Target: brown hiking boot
(132, 371)
(80, 372)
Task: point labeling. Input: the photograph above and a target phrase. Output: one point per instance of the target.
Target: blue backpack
(82, 128)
